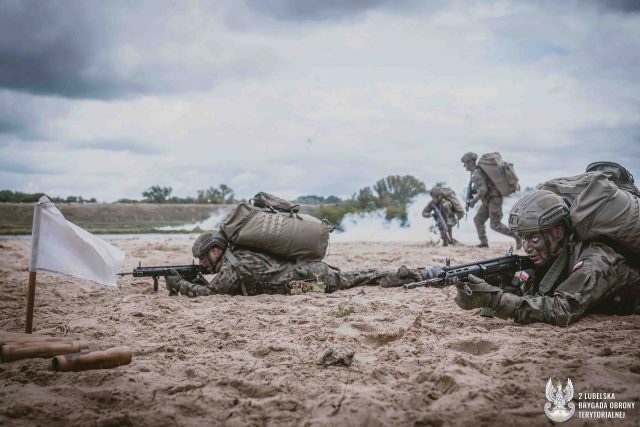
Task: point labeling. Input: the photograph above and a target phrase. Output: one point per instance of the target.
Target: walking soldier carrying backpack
(491, 180)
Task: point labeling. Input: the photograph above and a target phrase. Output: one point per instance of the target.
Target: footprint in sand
(383, 338)
(476, 346)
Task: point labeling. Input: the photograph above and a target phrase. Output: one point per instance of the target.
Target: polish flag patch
(578, 266)
(523, 276)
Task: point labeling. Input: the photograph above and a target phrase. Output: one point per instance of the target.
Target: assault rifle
(442, 226)
(496, 271)
(188, 272)
(470, 193)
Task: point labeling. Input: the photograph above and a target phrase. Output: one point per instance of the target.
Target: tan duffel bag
(501, 173)
(290, 235)
(599, 210)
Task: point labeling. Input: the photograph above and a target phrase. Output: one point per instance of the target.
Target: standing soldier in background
(484, 190)
(446, 210)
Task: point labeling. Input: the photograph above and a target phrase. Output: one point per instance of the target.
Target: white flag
(58, 246)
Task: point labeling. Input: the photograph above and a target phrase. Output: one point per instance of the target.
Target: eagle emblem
(558, 401)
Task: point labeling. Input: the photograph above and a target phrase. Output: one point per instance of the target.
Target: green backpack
(599, 210)
(273, 225)
(450, 195)
(501, 173)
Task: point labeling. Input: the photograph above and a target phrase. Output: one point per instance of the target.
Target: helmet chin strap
(547, 243)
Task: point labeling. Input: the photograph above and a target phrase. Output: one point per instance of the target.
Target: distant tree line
(159, 194)
(8, 196)
(393, 193)
(317, 200)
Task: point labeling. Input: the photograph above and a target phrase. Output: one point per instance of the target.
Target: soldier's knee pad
(321, 272)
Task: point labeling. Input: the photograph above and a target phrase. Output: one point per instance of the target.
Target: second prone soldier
(250, 272)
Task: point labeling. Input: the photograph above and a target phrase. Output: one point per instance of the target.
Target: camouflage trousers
(387, 278)
(335, 279)
(450, 220)
(491, 209)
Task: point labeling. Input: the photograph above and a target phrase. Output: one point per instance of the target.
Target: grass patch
(345, 310)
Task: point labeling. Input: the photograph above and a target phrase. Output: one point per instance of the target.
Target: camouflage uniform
(571, 278)
(491, 207)
(596, 279)
(259, 273)
(447, 210)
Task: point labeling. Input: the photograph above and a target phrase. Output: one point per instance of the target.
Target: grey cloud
(110, 50)
(11, 127)
(621, 145)
(312, 10)
(25, 168)
(24, 117)
(47, 47)
(134, 147)
(617, 5)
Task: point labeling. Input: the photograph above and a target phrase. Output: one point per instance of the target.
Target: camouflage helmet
(206, 240)
(468, 157)
(436, 191)
(537, 211)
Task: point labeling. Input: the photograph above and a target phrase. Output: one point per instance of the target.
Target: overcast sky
(107, 98)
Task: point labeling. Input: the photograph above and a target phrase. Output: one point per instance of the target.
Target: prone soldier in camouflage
(249, 272)
(491, 207)
(570, 279)
(450, 214)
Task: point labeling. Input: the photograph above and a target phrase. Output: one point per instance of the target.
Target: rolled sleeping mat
(39, 349)
(86, 360)
(15, 337)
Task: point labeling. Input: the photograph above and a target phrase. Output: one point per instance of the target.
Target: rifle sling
(555, 271)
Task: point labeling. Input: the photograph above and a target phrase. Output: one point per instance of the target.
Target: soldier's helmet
(469, 156)
(436, 191)
(206, 240)
(618, 173)
(538, 211)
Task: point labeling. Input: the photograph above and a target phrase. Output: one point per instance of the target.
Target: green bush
(335, 213)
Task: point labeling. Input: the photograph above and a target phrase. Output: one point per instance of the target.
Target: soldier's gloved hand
(426, 214)
(482, 294)
(472, 203)
(172, 282)
(200, 281)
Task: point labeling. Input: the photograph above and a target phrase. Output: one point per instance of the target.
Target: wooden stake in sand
(33, 261)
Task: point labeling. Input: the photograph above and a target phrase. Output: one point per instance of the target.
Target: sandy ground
(219, 360)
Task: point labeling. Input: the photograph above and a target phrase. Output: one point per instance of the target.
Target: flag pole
(33, 265)
(31, 294)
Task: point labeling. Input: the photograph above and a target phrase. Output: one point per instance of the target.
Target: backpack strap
(555, 271)
(241, 270)
(560, 265)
